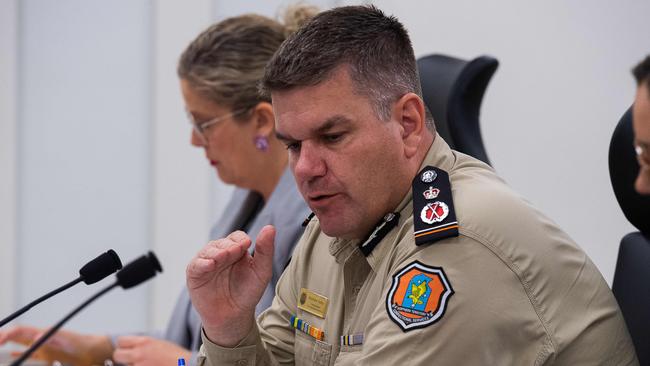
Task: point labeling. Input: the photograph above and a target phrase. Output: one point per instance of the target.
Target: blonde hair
(226, 62)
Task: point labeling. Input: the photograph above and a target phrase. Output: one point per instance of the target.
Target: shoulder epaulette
(434, 217)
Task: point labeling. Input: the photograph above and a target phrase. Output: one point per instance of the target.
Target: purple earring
(261, 143)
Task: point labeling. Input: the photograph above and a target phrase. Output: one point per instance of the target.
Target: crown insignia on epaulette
(431, 193)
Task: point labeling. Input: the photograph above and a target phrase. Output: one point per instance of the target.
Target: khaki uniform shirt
(523, 292)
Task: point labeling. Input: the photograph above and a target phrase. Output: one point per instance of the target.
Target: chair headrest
(623, 170)
(453, 90)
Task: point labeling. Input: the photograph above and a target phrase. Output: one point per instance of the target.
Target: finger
(20, 334)
(215, 247)
(34, 356)
(228, 254)
(239, 237)
(130, 341)
(200, 270)
(61, 341)
(263, 258)
(199, 267)
(125, 355)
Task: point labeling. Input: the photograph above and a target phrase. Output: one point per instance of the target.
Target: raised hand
(225, 284)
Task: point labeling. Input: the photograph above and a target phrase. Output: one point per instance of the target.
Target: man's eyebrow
(328, 124)
(332, 122)
(282, 137)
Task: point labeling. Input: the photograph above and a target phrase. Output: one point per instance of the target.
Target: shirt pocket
(349, 355)
(309, 351)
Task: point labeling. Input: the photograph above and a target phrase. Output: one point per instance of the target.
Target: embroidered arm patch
(418, 296)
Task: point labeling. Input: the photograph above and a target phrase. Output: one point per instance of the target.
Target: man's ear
(410, 114)
(263, 119)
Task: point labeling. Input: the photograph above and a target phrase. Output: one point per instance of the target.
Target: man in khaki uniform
(418, 254)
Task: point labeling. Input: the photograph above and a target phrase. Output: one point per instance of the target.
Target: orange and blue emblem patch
(418, 296)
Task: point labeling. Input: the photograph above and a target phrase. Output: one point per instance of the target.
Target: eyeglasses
(202, 127)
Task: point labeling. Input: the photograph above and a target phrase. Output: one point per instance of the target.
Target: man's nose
(310, 163)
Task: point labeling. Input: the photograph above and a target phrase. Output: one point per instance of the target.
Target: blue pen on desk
(181, 361)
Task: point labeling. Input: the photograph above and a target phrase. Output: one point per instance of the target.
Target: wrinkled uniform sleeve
(492, 318)
(250, 351)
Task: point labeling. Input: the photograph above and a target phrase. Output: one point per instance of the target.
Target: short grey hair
(641, 72)
(375, 47)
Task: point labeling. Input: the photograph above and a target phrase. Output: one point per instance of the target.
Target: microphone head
(138, 271)
(99, 268)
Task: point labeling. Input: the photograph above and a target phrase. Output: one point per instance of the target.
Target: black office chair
(631, 284)
(453, 90)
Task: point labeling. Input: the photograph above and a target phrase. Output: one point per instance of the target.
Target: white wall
(8, 49)
(102, 156)
(83, 152)
(547, 117)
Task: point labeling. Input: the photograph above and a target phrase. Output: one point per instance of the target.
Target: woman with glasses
(234, 125)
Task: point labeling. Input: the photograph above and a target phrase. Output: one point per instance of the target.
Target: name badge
(312, 303)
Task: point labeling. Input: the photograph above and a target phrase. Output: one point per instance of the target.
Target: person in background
(641, 124)
(219, 74)
(418, 254)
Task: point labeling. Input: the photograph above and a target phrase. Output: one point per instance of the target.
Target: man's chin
(339, 228)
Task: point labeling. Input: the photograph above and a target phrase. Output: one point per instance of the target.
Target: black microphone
(100, 267)
(94, 271)
(133, 274)
(138, 271)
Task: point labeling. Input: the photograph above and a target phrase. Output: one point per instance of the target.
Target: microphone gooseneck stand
(24, 309)
(58, 325)
(133, 274)
(93, 271)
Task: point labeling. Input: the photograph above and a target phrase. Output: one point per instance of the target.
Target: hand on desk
(147, 351)
(64, 346)
(226, 283)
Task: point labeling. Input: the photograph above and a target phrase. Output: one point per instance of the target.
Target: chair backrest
(631, 284)
(453, 90)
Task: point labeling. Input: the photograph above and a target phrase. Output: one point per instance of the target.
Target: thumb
(264, 247)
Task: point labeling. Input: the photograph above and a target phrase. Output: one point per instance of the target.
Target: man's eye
(332, 138)
(292, 146)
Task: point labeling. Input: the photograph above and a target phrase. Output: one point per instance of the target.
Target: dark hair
(375, 47)
(641, 72)
(226, 61)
